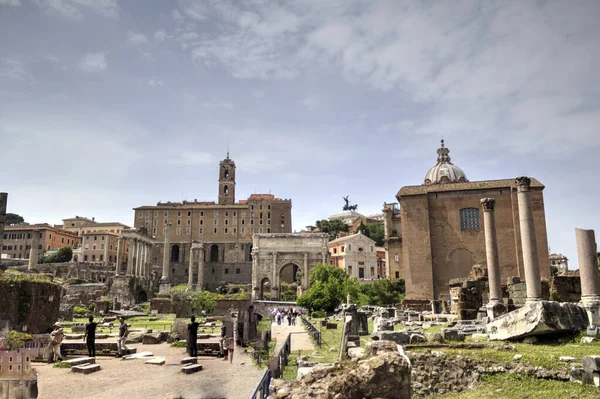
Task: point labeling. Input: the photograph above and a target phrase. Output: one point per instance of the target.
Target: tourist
(123, 332)
(90, 336)
(222, 340)
(56, 338)
(193, 337)
(229, 344)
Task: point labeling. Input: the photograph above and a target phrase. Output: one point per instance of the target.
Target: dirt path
(300, 338)
(134, 379)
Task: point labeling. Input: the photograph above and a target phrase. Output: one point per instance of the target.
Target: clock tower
(227, 181)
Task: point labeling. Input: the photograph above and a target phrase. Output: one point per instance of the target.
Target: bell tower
(227, 181)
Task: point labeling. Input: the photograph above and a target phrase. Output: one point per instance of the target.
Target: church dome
(444, 171)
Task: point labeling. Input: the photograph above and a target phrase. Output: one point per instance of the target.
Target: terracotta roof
(477, 185)
(348, 237)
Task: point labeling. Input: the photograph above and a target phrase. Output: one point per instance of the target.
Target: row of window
(215, 222)
(10, 367)
(18, 236)
(87, 238)
(226, 230)
(20, 247)
(100, 258)
(201, 213)
(94, 247)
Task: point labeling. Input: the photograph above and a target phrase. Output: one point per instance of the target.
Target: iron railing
(261, 389)
(313, 330)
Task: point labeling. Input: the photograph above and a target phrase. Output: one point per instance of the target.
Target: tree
(384, 292)
(14, 340)
(329, 286)
(375, 232)
(64, 254)
(332, 227)
(362, 228)
(13, 218)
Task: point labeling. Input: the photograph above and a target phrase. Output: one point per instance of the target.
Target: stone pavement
(300, 338)
(134, 379)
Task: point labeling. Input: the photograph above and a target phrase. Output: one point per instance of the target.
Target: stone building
(560, 261)
(18, 379)
(18, 239)
(3, 204)
(220, 232)
(287, 258)
(82, 225)
(100, 247)
(356, 254)
(436, 232)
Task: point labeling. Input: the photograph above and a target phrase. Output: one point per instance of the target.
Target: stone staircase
(191, 368)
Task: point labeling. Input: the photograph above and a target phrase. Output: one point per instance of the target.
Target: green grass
(179, 344)
(511, 386)
(537, 355)
(264, 324)
(291, 370)
(62, 365)
(330, 339)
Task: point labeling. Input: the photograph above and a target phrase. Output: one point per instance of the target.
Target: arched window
(214, 253)
(469, 219)
(175, 253)
(225, 190)
(226, 174)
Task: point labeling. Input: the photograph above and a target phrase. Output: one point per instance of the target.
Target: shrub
(318, 314)
(62, 365)
(80, 311)
(179, 344)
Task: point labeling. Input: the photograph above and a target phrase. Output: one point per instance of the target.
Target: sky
(106, 105)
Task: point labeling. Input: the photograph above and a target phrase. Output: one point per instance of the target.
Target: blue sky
(106, 105)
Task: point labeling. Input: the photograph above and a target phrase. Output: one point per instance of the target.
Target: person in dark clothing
(90, 337)
(193, 337)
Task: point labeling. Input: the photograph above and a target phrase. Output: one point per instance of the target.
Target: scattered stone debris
(385, 374)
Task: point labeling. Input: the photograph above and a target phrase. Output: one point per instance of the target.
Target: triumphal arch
(287, 257)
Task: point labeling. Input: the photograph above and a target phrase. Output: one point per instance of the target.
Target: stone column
(588, 274)
(119, 256)
(130, 252)
(256, 285)
(3, 204)
(274, 283)
(528, 241)
(145, 264)
(495, 307)
(191, 269)
(324, 256)
(167, 253)
(200, 283)
(139, 258)
(33, 252)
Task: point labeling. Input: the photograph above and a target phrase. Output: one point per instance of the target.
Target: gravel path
(133, 379)
(300, 338)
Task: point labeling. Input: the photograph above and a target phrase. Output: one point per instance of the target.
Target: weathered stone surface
(151, 339)
(80, 360)
(591, 364)
(135, 337)
(86, 368)
(398, 337)
(140, 355)
(189, 360)
(356, 353)
(191, 368)
(567, 359)
(435, 337)
(384, 375)
(416, 338)
(159, 360)
(538, 318)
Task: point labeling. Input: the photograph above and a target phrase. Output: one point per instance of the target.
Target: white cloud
(192, 158)
(14, 3)
(311, 102)
(136, 39)
(155, 82)
(223, 104)
(13, 69)
(177, 16)
(186, 37)
(72, 9)
(160, 36)
(93, 62)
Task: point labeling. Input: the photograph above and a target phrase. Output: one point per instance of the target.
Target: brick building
(17, 239)
(436, 232)
(224, 229)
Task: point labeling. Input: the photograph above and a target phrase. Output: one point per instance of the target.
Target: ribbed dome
(444, 171)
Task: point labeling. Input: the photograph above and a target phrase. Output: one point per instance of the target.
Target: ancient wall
(29, 306)
(416, 261)
(517, 292)
(565, 288)
(84, 294)
(467, 296)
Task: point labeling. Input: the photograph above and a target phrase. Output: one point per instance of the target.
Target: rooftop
(477, 185)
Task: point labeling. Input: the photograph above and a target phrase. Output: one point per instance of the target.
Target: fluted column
(139, 258)
(33, 252)
(145, 272)
(119, 256)
(167, 253)
(200, 283)
(304, 281)
(491, 249)
(528, 240)
(130, 253)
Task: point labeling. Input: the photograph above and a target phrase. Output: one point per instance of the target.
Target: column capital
(523, 183)
(488, 204)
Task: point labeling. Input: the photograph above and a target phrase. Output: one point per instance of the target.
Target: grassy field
(510, 386)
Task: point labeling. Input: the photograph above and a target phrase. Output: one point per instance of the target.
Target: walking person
(193, 337)
(90, 336)
(56, 338)
(123, 332)
(229, 344)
